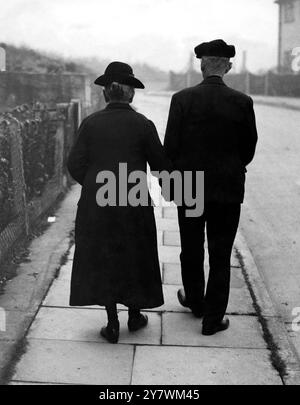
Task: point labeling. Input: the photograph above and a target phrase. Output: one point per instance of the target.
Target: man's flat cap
(217, 47)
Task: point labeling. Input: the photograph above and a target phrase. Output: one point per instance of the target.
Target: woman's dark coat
(116, 257)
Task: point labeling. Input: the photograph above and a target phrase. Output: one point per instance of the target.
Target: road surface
(270, 219)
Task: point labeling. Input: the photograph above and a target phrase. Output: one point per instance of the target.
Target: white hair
(119, 92)
(215, 65)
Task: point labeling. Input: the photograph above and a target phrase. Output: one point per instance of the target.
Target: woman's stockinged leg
(111, 331)
(112, 314)
(133, 313)
(136, 320)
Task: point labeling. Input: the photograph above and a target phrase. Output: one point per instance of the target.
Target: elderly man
(211, 128)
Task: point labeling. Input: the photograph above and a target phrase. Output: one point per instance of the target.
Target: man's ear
(105, 96)
(229, 67)
(202, 67)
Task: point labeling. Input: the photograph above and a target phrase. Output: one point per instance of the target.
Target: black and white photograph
(149, 196)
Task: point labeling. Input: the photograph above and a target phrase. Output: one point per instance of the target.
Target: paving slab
(169, 254)
(239, 301)
(169, 212)
(65, 272)
(202, 366)
(69, 362)
(171, 238)
(237, 279)
(158, 212)
(59, 294)
(84, 325)
(172, 274)
(167, 224)
(160, 238)
(181, 329)
(71, 253)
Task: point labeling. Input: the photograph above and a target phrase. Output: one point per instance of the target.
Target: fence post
(2, 59)
(247, 82)
(87, 96)
(17, 163)
(266, 90)
(59, 154)
(78, 112)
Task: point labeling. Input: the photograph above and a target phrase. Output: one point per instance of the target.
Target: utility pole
(244, 62)
(2, 59)
(190, 71)
(279, 60)
(244, 70)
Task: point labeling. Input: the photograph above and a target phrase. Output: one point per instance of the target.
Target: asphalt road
(271, 213)
(270, 219)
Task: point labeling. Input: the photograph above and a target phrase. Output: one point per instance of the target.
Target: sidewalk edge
(15, 347)
(282, 345)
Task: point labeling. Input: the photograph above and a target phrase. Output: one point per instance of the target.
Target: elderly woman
(116, 257)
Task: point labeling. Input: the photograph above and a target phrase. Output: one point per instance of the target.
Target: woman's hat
(119, 72)
(217, 47)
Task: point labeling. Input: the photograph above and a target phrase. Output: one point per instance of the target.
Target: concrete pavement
(63, 345)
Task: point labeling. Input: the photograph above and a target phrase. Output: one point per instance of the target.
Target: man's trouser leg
(192, 234)
(222, 224)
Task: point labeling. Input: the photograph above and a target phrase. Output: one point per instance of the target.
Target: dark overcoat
(116, 256)
(212, 128)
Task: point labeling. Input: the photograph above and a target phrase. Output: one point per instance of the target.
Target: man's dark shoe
(111, 333)
(182, 298)
(137, 323)
(182, 301)
(209, 330)
(197, 314)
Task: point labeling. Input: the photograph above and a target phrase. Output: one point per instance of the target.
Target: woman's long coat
(116, 257)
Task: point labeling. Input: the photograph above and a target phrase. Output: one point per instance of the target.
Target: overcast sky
(159, 32)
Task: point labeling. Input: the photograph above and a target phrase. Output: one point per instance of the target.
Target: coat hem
(128, 305)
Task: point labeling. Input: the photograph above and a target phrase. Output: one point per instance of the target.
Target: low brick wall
(20, 88)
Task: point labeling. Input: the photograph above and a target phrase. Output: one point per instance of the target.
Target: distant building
(289, 33)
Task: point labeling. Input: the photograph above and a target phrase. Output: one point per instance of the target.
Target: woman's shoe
(137, 323)
(111, 333)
